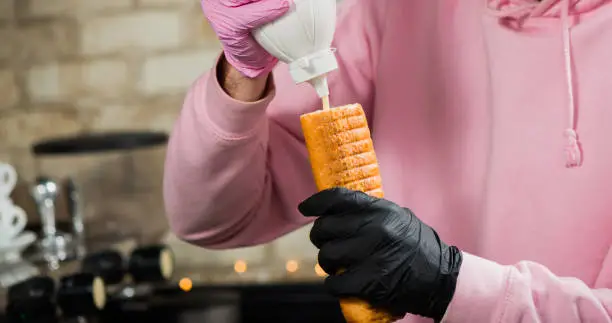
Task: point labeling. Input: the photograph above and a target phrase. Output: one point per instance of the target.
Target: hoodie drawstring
(528, 8)
(573, 151)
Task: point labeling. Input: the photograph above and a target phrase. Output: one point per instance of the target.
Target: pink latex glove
(233, 21)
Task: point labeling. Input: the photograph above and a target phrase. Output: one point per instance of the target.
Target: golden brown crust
(340, 149)
(358, 311)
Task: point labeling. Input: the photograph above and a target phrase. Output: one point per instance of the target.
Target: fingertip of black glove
(342, 285)
(318, 203)
(333, 200)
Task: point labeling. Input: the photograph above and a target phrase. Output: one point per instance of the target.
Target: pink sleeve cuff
(482, 291)
(231, 119)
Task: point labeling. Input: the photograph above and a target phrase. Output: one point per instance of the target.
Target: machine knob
(82, 294)
(151, 264)
(32, 301)
(108, 265)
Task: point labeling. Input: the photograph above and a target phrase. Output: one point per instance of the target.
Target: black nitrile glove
(390, 258)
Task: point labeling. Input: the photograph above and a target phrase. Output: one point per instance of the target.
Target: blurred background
(81, 75)
(69, 67)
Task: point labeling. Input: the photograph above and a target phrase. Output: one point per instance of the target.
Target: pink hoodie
(475, 107)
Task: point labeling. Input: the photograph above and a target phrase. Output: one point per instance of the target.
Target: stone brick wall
(69, 66)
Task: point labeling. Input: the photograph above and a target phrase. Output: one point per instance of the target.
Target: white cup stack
(13, 239)
(12, 218)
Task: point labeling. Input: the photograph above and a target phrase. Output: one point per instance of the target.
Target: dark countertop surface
(208, 278)
(291, 303)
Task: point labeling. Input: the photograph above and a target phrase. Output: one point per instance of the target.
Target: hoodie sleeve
(525, 293)
(235, 171)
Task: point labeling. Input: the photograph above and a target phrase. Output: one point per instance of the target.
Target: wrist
(482, 291)
(434, 296)
(238, 86)
(448, 282)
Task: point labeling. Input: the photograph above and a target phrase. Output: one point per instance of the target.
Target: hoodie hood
(542, 8)
(518, 11)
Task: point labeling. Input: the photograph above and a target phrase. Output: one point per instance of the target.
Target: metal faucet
(75, 211)
(75, 208)
(45, 193)
(54, 246)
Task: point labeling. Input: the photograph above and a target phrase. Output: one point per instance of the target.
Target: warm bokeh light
(240, 266)
(292, 266)
(186, 284)
(319, 271)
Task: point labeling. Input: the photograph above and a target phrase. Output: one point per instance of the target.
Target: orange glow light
(186, 284)
(292, 266)
(240, 266)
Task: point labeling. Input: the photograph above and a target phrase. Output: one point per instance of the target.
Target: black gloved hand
(390, 258)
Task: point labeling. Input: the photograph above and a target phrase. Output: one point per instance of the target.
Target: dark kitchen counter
(261, 294)
(295, 303)
(265, 273)
(242, 303)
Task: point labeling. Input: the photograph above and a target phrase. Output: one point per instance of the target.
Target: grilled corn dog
(341, 154)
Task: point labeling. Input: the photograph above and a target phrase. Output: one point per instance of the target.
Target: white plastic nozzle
(320, 85)
(302, 38)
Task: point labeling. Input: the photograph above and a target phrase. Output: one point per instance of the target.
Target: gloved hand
(233, 21)
(388, 256)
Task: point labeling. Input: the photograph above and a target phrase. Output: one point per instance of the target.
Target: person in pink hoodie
(491, 120)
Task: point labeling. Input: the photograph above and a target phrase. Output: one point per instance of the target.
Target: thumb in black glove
(388, 256)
